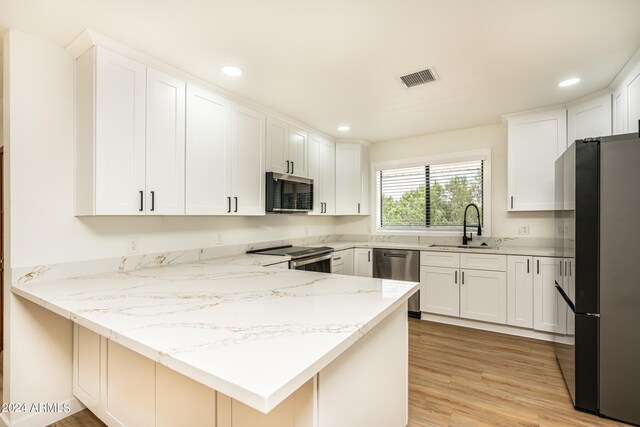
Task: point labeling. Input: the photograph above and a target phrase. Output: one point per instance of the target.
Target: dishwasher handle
(392, 255)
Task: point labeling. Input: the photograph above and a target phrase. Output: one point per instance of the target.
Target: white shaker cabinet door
(520, 291)
(440, 290)
(483, 295)
(535, 140)
(328, 176)
(589, 119)
(549, 310)
(165, 148)
(348, 179)
(314, 173)
(298, 148)
(277, 146)
(363, 262)
(208, 153)
(248, 164)
(120, 134)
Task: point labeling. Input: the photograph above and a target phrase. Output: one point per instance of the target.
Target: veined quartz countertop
(253, 333)
(338, 245)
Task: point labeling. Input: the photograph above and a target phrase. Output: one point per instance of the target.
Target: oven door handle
(306, 261)
(565, 297)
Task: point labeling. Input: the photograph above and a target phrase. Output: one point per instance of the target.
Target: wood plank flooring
(465, 377)
(461, 377)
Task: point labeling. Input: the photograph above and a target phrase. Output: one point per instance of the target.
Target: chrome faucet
(466, 239)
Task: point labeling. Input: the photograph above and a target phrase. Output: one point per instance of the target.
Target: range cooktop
(295, 252)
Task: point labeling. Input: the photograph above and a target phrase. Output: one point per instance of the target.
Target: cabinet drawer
(337, 269)
(440, 259)
(483, 262)
(337, 259)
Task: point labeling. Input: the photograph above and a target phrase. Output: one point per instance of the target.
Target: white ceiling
(327, 62)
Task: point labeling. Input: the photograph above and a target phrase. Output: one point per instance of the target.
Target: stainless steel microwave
(288, 194)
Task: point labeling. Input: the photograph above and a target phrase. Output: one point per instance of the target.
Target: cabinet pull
(570, 268)
(527, 266)
(358, 207)
(337, 258)
(537, 266)
(153, 201)
(560, 268)
(369, 256)
(229, 208)
(463, 277)
(565, 268)
(236, 200)
(321, 207)
(141, 201)
(325, 207)
(455, 279)
(511, 202)
(287, 166)
(293, 168)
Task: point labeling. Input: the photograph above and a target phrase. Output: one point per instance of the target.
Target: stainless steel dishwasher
(399, 264)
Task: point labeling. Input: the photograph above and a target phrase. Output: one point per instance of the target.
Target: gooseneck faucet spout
(466, 239)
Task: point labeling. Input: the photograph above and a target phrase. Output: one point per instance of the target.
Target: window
(431, 196)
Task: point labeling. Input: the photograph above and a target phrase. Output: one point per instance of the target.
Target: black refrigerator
(598, 243)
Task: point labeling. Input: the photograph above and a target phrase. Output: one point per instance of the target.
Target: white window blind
(429, 196)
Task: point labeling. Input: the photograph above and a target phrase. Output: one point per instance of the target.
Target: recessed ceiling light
(343, 128)
(232, 70)
(569, 82)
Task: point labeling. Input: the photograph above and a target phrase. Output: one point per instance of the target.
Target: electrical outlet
(523, 230)
(218, 238)
(132, 246)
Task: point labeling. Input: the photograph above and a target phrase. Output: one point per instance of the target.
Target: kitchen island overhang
(254, 334)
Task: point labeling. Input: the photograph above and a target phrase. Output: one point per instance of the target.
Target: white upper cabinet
(535, 140)
(287, 148)
(248, 165)
(322, 169)
(298, 150)
(352, 179)
(165, 148)
(110, 134)
(626, 99)
(208, 153)
(589, 118)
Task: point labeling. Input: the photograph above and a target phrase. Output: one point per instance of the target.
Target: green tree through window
(430, 196)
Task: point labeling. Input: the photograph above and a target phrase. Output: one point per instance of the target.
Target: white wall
(503, 223)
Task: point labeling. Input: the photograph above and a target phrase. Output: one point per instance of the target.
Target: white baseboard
(501, 329)
(39, 419)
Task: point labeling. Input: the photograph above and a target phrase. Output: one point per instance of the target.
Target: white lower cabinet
(549, 310)
(454, 284)
(363, 262)
(483, 295)
(342, 262)
(439, 290)
(520, 291)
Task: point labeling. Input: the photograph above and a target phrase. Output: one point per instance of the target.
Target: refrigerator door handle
(566, 298)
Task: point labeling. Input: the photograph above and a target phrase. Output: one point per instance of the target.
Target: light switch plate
(133, 246)
(523, 230)
(218, 238)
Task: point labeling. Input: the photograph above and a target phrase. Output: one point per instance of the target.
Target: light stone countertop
(253, 333)
(338, 245)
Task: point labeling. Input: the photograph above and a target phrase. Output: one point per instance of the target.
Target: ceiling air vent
(419, 78)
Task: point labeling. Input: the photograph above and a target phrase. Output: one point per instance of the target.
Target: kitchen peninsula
(230, 345)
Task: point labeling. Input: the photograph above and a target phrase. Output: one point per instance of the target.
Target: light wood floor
(465, 377)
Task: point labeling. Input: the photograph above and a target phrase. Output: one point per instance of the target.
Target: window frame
(456, 157)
